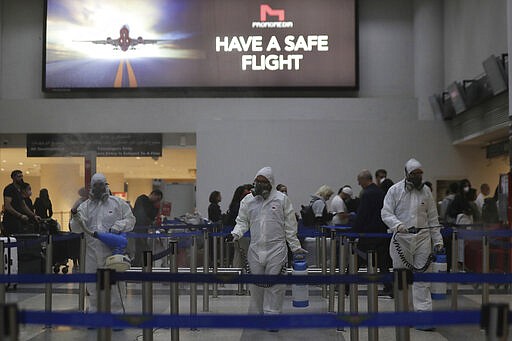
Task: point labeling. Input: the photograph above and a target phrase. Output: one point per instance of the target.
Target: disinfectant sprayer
(300, 292)
(438, 290)
(118, 242)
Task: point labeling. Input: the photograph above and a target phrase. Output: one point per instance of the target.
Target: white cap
(412, 165)
(348, 191)
(267, 173)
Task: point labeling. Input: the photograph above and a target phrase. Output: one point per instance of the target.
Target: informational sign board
(114, 44)
(112, 145)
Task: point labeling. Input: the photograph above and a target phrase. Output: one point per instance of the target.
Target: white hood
(267, 173)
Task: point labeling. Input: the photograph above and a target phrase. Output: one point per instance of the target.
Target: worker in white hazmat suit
(270, 217)
(410, 213)
(102, 212)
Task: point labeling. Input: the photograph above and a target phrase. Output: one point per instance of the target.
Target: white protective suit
(272, 223)
(111, 213)
(412, 208)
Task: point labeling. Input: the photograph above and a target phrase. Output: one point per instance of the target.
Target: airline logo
(267, 12)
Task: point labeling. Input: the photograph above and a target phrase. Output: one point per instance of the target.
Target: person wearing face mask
(102, 212)
(463, 212)
(407, 205)
(270, 217)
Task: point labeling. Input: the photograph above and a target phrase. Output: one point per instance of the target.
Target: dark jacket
(368, 219)
(214, 212)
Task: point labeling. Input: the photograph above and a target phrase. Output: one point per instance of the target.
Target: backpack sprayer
(117, 242)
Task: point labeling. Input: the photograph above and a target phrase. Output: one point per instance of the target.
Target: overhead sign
(200, 43)
(125, 144)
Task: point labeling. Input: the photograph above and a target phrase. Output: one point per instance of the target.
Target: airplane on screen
(124, 42)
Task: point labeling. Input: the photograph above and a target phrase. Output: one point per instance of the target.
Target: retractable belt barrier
(259, 279)
(284, 321)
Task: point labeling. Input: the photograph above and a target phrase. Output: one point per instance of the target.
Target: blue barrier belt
(259, 279)
(48, 278)
(289, 321)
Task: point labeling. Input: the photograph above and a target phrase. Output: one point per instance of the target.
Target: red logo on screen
(268, 17)
(267, 10)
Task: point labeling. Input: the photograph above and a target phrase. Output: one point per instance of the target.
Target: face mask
(414, 182)
(262, 188)
(99, 192)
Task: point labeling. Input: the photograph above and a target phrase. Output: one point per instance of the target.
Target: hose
(83, 226)
(408, 265)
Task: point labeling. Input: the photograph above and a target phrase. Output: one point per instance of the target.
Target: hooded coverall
(107, 214)
(272, 223)
(412, 208)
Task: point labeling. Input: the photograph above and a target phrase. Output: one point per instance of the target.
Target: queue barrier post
(485, 268)
(81, 267)
(215, 269)
(206, 269)
(401, 280)
(103, 287)
(332, 270)
(2, 272)
(494, 320)
(147, 294)
(323, 259)
(193, 270)
(354, 309)
(9, 326)
(48, 270)
(174, 290)
(343, 252)
(454, 286)
(373, 307)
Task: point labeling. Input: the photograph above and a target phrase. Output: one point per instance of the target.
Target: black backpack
(308, 216)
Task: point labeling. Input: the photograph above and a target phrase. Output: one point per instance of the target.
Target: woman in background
(43, 204)
(214, 211)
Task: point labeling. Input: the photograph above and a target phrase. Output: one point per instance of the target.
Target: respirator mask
(262, 188)
(414, 181)
(99, 191)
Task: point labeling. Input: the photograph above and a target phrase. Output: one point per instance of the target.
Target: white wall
(474, 29)
(308, 141)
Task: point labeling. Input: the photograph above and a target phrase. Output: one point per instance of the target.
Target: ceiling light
(20, 163)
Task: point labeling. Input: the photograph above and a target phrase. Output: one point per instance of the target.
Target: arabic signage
(112, 145)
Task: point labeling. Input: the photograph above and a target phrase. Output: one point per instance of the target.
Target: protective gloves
(231, 238)
(300, 251)
(402, 229)
(439, 248)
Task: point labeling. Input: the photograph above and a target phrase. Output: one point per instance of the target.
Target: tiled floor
(65, 299)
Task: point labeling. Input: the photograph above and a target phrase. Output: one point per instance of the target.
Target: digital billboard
(120, 44)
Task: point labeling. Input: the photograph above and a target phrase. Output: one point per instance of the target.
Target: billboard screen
(115, 44)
